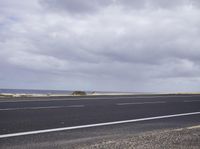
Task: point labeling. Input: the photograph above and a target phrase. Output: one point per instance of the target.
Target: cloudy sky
(113, 45)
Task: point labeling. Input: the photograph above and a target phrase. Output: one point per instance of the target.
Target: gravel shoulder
(186, 138)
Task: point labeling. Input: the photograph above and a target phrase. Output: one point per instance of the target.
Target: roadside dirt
(187, 138)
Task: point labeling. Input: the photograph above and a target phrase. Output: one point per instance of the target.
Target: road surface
(69, 116)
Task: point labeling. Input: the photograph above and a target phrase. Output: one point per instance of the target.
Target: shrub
(79, 93)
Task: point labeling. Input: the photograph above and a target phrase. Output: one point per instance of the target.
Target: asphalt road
(39, 114)
(153, 115)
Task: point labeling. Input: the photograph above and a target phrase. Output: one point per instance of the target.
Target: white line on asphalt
(94, 125)
(36, 108)
(191, 100)
(139, 103)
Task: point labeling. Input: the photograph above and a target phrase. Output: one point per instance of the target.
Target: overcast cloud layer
(118, 45)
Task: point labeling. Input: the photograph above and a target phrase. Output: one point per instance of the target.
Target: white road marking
(94, 125)
(36, 108)
(139, 103)
(191, 101)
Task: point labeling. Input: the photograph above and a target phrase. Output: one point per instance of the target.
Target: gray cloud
(91, 6)
(140, 49)
(75, 6)
(141, 4)
(154, 3)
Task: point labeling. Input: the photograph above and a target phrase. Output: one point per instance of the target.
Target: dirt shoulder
(186, 138)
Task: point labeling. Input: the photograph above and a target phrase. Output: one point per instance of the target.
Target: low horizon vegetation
(79, 93)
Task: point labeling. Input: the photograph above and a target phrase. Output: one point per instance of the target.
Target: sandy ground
(7, 95)
(10, 95)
